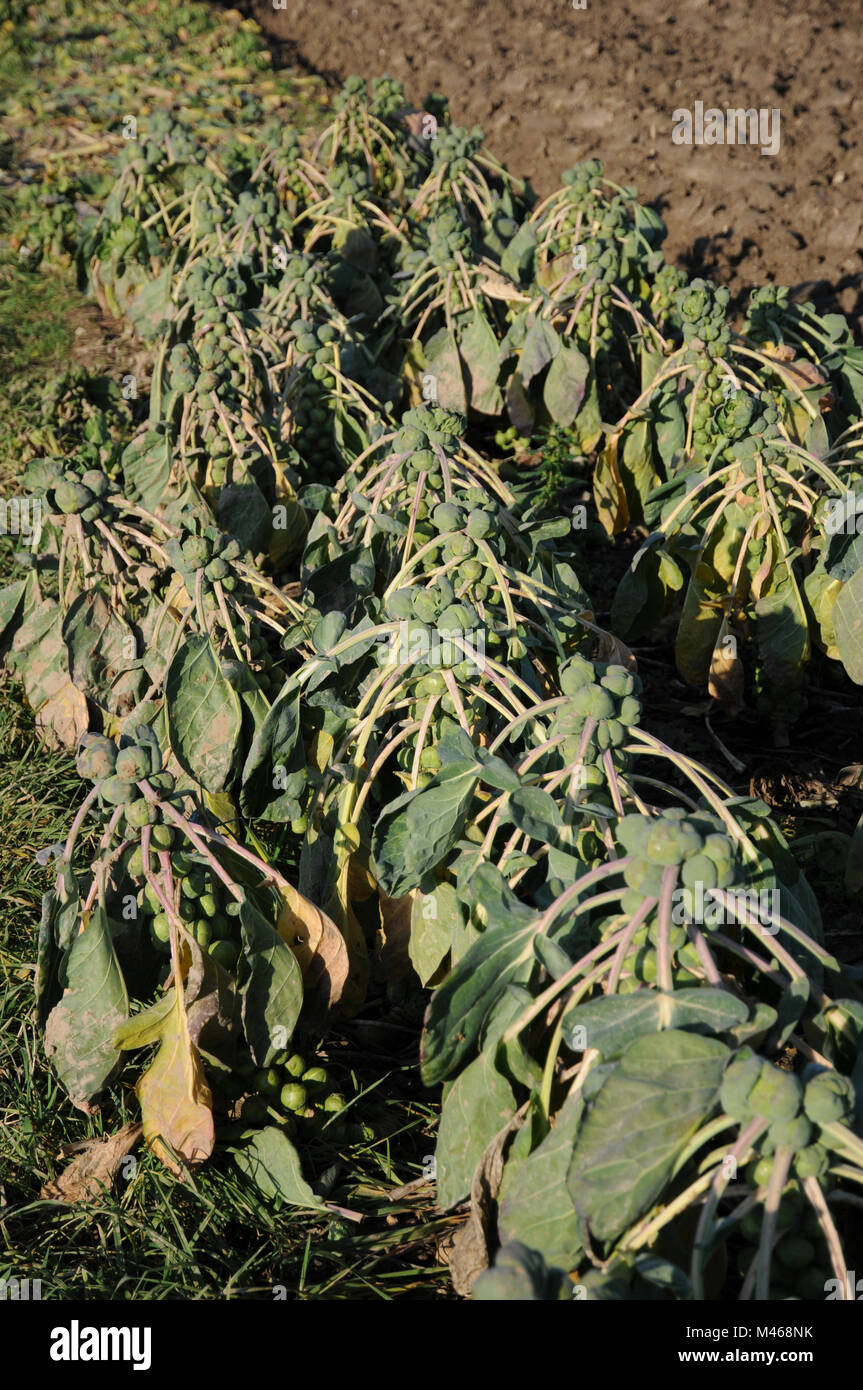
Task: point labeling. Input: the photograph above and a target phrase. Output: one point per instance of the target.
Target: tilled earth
(552, 84)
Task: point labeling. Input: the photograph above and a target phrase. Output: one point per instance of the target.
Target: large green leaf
(417, 830)
(460, 1006)
(664, 1087)
(847, 618)
(479, 351)
(564, 386)
(610, 1024)
(478, 1105)
(79, 1032)
(444, 364)
(541, 346)
(536, 1207)
(204, 714)
(101, 647)
(272, 993)
(434, 917)
(275, 768)
(273, 1164)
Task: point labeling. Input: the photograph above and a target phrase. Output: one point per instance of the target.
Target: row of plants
(347, 717)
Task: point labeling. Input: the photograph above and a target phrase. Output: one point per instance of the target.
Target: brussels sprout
(196, 552)
(295, 1065)
(97, 758)
(776, 1095)
(633, 833)
(117, 792)
(267, 1081)
(740, 1077)
(795, 1134)
(829, 1098)
(795, 1252)
(133, 764)
(162, 836)
(399, 605)
(480, 523)
(161, 926)
(139, 813)
(293, 1096)
(811, 1162)
(225, 953)
(447, 516)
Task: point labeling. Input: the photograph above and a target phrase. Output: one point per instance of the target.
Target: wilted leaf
(79, 1033)
(317, 944)
(204, 714)
(725, 678)
(93, 1170)
(176, 1103)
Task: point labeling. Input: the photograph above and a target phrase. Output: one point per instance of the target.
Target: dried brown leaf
(92, 1171)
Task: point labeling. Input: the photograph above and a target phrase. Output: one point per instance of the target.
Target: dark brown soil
(552, 84)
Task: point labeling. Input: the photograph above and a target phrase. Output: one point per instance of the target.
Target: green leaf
(517, 260)
(415, 832)
(101, 646)
(537, 1208)
(273, 1164)
(478, 1105)
(243, 511)
(612, 1023)
(434, 917)
(541, 346)
(565, 384)
(10, 599)
(847, 618)
(204, 715)
(536, 813)
(444, 364)
(277, 744)
(662, 1090)
(61, 915)
(79, 1032)
(461, 1005)
(479, 351)
(272, 994)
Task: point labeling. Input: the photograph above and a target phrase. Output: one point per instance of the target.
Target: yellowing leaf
(64, 718)
(316, 942)
(394, 954)
(176, 1103)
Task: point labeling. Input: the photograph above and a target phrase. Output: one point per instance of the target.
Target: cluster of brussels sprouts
(604, 693)
(83, 493)
(313, 412)
(746, 424)
(423, 430)
(696, 845)
(582, 180)
(211, 284)
(167, 142)
(388, 97)
(446, 237)
(117, 770)
(455, 148)
(702, 308)
(794, 1110)
(211, 555)
(298, 1094)
(348, 181)
(207, 913)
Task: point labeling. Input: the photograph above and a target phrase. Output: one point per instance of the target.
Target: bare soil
(552, 84)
